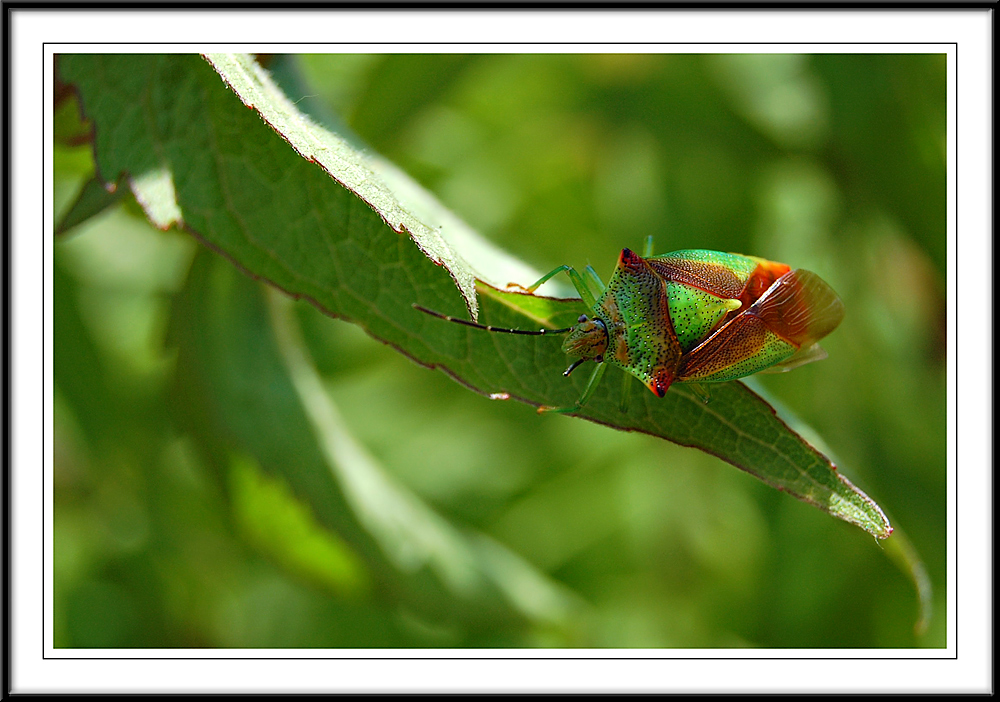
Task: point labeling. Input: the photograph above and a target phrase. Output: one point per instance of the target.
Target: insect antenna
(475, 325)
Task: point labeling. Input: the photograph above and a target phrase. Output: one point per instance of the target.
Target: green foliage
(283, 528)
(469, 532)
(337, 253)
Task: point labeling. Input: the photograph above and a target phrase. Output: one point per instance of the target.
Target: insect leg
(626, 392)
(647, 250)
(595, 379)
(551, 274)
(595, 280)
(700, 391)
(589, 299)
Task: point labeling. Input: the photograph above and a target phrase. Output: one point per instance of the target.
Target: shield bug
(692, 316)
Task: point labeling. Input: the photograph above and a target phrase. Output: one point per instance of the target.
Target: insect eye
(582, 319)
(598, 359)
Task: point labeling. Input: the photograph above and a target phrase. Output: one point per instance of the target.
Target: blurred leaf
(236, 394)
(900, 549)
(410, 533)
(69, 126)
(399, 84)
(904, 554)
(230, 391)
(75, 360)
(281, 526)
(196, 156)
(94, 198)
(907, 93)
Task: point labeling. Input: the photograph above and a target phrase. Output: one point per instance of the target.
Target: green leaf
(408, 530)
(68, 124)
(255, 185)
(245, 380)
(284, 528)
(94, 198)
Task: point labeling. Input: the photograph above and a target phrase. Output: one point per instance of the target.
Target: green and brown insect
(692, 316)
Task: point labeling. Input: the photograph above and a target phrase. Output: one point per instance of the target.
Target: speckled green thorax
(640, 340)
(693, 312)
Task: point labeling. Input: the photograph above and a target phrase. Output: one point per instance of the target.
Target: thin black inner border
(45, 140)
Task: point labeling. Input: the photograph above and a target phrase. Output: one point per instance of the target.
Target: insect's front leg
(626, 392)
(597, 285)
(588, 296)
(595, 379)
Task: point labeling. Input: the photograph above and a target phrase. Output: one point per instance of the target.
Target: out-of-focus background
(167, 537)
